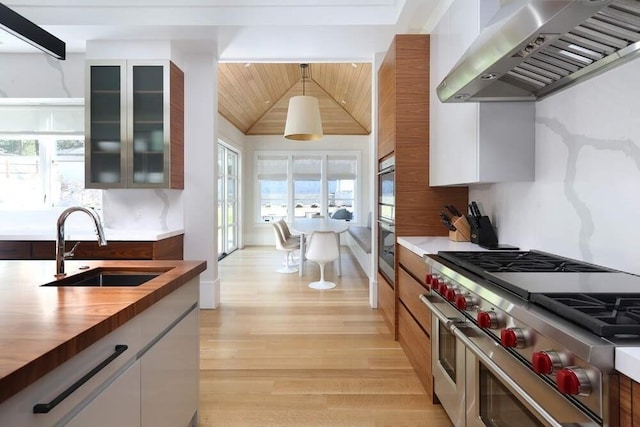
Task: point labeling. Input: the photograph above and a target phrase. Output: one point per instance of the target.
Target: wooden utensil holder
(463, 230)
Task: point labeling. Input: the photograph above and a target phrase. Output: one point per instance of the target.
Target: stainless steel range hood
(534, 48)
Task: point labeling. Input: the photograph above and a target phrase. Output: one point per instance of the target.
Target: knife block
(484, 234)
(463, 231)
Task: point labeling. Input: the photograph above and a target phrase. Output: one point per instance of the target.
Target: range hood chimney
(534, 48)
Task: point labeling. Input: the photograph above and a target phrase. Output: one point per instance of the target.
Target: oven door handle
(504, 378)
(447, 322)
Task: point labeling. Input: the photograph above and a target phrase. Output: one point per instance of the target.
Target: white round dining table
(307, 226)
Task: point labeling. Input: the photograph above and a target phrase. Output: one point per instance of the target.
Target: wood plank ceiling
(255, 97)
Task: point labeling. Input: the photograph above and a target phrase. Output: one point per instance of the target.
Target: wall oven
(386, 218)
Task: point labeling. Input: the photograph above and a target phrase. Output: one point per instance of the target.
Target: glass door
(105, 153)
(228, 166)
(149, 125)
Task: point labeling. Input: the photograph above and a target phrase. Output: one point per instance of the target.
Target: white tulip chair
(323, 248)
(288, 247)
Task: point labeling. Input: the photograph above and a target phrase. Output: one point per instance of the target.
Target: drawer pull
(44, 408)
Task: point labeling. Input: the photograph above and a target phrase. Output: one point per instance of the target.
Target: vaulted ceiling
(254, 97)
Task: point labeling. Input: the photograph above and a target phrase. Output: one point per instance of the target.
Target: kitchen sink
(101, 277)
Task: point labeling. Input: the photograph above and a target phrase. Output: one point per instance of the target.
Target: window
(302, 184)
(341, 176)
(307, 185)
(42, 155)
(38, 171)
(273, 186)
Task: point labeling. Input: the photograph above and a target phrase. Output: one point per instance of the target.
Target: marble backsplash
(587, 181)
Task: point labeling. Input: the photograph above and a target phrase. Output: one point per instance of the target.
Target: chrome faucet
(61, 255)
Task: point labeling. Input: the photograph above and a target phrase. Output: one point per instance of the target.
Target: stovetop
(519, 261)
(603, 300)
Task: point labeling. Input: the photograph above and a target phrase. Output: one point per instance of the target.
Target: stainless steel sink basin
(105, 277)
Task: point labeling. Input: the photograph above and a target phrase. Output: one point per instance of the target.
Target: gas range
(600, 299)
(557, 317)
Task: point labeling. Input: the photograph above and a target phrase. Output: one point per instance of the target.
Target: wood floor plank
(277, 353)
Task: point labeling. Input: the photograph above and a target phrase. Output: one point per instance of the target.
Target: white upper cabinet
(474, 142)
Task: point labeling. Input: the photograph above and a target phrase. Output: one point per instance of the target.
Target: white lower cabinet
(117, 405)
(169, 371)
(146, 373)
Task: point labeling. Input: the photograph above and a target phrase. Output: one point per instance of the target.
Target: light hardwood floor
(277, 353)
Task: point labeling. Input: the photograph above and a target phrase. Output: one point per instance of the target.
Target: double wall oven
(527, 338)
(386, 218)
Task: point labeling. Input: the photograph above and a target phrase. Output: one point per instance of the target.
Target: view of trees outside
(44, 171)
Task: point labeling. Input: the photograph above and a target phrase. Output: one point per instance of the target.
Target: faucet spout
(61, 255)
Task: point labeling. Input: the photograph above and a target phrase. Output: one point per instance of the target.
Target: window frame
(47, 155)
(324, 202)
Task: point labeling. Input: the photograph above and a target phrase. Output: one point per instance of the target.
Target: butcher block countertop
(42, 327)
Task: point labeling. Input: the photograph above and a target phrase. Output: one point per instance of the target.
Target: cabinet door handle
(44, 408)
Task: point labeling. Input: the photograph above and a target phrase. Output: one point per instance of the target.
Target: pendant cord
(303, 70)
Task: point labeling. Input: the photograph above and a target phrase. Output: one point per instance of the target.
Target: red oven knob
(442, 288)
(513, 338)
(428, 278)
(487, 319)
(573, 381)
(545, 362)
(435, 284)
(465, 302)
(451, 293)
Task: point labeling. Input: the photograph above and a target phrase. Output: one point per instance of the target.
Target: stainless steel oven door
(386, 250)
(500, 390)
(447, 359)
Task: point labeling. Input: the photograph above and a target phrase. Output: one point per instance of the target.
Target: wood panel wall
(417, 204)
(625, 401)
(387, 104)
(403, 130)
(176, 83)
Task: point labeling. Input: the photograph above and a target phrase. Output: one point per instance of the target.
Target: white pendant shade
(303, 119)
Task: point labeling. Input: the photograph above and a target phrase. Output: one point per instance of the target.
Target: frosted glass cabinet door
(149, 123)
(117, 405)
(105, 126)
(134, 125)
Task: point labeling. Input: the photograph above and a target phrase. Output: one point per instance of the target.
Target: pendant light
(303, 115)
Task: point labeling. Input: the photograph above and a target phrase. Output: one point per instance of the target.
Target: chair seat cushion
(362, 236)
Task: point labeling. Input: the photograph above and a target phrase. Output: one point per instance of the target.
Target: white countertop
(84, 234)
(628, 362)
(431, 245)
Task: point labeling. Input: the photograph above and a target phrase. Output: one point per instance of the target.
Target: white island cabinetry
(153, 382)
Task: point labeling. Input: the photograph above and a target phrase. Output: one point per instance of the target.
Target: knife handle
(453, 210)
(475, 210)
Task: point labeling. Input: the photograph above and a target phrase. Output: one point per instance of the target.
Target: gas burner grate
(603, 314)
(517, 261)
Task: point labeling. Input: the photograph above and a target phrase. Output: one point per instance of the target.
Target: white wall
(200, 157)
(38, 75)
(262, 234)
(586, 193)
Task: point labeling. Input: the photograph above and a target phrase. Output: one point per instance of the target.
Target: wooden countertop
(42, 327)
